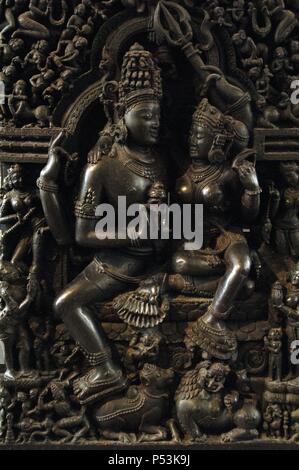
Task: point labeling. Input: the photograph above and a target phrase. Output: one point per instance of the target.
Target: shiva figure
(222, 178)
(131, 168)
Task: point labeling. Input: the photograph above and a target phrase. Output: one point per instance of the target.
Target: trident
(173, 23)
(177, 30)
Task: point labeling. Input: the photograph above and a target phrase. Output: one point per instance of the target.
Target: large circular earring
(216, 155)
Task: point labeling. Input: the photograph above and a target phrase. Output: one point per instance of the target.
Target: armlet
(45, 185)
(85, 208)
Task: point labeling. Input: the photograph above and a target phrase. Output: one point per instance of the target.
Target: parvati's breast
(212, 196)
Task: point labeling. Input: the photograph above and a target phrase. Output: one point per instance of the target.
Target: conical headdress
(140, 78)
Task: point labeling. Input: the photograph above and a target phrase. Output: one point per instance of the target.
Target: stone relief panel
(129, 337)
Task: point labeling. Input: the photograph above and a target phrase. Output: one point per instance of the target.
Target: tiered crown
(208, 116)
(140, 78)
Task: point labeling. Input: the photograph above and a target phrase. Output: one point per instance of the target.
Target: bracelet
(135, 240)
(253, 193)
(45, 185)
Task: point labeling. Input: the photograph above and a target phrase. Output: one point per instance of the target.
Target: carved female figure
(130, 168)
(286, 300)
(273, 344)
(12, 51)
(31, 22)
(78, 19)
(71, 55)
(13, 329)
(37, 56)
(225, 182)
(20, 107)
(20, 208)
(281, 228)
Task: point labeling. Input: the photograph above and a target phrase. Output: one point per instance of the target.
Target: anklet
(96, 359)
